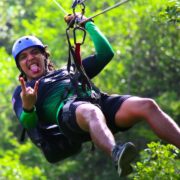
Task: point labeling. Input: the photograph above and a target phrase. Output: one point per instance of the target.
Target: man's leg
(91, 119)
(135, 108)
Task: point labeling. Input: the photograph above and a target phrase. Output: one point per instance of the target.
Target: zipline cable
(105, 10)
(62, 9)
(102, 12)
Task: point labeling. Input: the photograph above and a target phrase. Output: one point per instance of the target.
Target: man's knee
(87, 111)
(86, 114)
(147, 106)
(136, 107)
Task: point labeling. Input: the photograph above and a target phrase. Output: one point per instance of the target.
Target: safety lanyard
(75, 53)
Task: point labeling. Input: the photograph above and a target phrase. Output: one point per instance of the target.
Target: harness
(74, 57)
(74, 52)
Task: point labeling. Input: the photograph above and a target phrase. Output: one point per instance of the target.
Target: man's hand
(28, 95)
(68, 18)
(78, 18)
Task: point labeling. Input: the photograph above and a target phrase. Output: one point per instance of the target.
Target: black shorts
(109, 104)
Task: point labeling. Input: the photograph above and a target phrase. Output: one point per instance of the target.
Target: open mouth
(34, 68)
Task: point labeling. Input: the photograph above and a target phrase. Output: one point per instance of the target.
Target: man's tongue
(34, 68)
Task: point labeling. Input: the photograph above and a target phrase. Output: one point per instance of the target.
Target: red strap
(77, 53)
(78, 60)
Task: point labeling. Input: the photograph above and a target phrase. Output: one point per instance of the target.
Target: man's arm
(104, 52)
(27, 119)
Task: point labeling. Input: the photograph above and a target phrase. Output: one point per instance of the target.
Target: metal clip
(75, 30)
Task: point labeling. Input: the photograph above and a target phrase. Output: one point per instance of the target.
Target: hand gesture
(28, 94)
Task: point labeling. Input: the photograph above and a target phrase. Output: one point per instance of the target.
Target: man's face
(32, 63)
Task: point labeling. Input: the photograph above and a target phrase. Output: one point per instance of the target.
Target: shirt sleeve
(104, 52)
(27, 119)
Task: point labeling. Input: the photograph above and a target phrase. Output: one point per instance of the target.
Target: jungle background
(145, 37)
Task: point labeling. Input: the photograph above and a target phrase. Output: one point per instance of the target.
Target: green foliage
(168, 102)
(7, 76)
(144, 35)
(171, 14)
(12, 168)
(147, 49)
(158, 162)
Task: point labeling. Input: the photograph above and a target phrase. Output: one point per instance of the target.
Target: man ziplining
(47, 97)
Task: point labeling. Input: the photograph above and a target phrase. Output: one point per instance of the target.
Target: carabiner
(76, 2)
(83, 7)
(75, 30)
